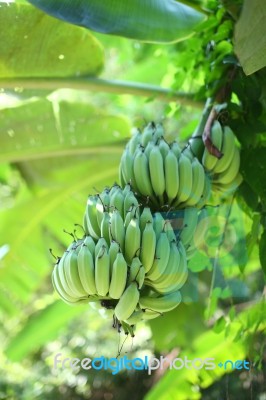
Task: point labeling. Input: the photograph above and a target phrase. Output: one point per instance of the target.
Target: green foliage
(250, 30)
(24, 52)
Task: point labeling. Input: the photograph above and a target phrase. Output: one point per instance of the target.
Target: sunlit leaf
(50, 128)
(34, 44)
(250, 36)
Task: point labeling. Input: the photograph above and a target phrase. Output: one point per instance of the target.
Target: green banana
(198, 182)
(169, 231)
(105, 225)
(132, 240)
(185, 179)
(208, 160)
(164, 148)
(130, 215)
(136, 317)
(231, 172)
(141, 315)
(175, 149)
(102, 271)
(147, 134)
(134, 269)
(188, 153)
(117, 229)
(117, 201)
(157, 172)
(72, 274)
(113, 251)
(86, 270)
(119, 277)
(134, 142)
(142, 174)
(158, 133)
(100, 243)
(89, 242)
(127, 302)
(175, 274)
(148, 149)
(229, 188)
(126, 190)
(140, 277)
(227, 150)
(146, 216)
(90, 218)
(171, 175)
(189, 225)
(122, 181)
(162, 253)
(148, 246)
(59, 287)
(162, 303)
(62, 276)
(158, 224)
(130, 200)
(127, 162)
(206, 192)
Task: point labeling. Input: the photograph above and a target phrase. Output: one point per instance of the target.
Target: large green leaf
(250, 36)
(58, 128)
(42, 327)
(180, 384)
(34, 44)
(25, 229)
(149, 20)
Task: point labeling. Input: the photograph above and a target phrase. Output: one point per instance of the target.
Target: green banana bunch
(95, 272)
(161, 173)
(224, 172)
(105, 213)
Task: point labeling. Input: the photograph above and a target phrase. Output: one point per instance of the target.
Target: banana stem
(205, 115)
(196, 142)
(103, 85)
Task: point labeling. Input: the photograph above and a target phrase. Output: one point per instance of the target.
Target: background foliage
(63, 127)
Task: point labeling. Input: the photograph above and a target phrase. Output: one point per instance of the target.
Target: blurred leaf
(36, 45)
(176, 383)
(220, 325)
(24, 226)
(42, 327)
(150, 21)
(254, 169)
(199, 262)
(173, 329)
(262, 248)
(250, 36)
(53, 128)
(250, 197)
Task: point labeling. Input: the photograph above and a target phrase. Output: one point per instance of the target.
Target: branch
(103, 85)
